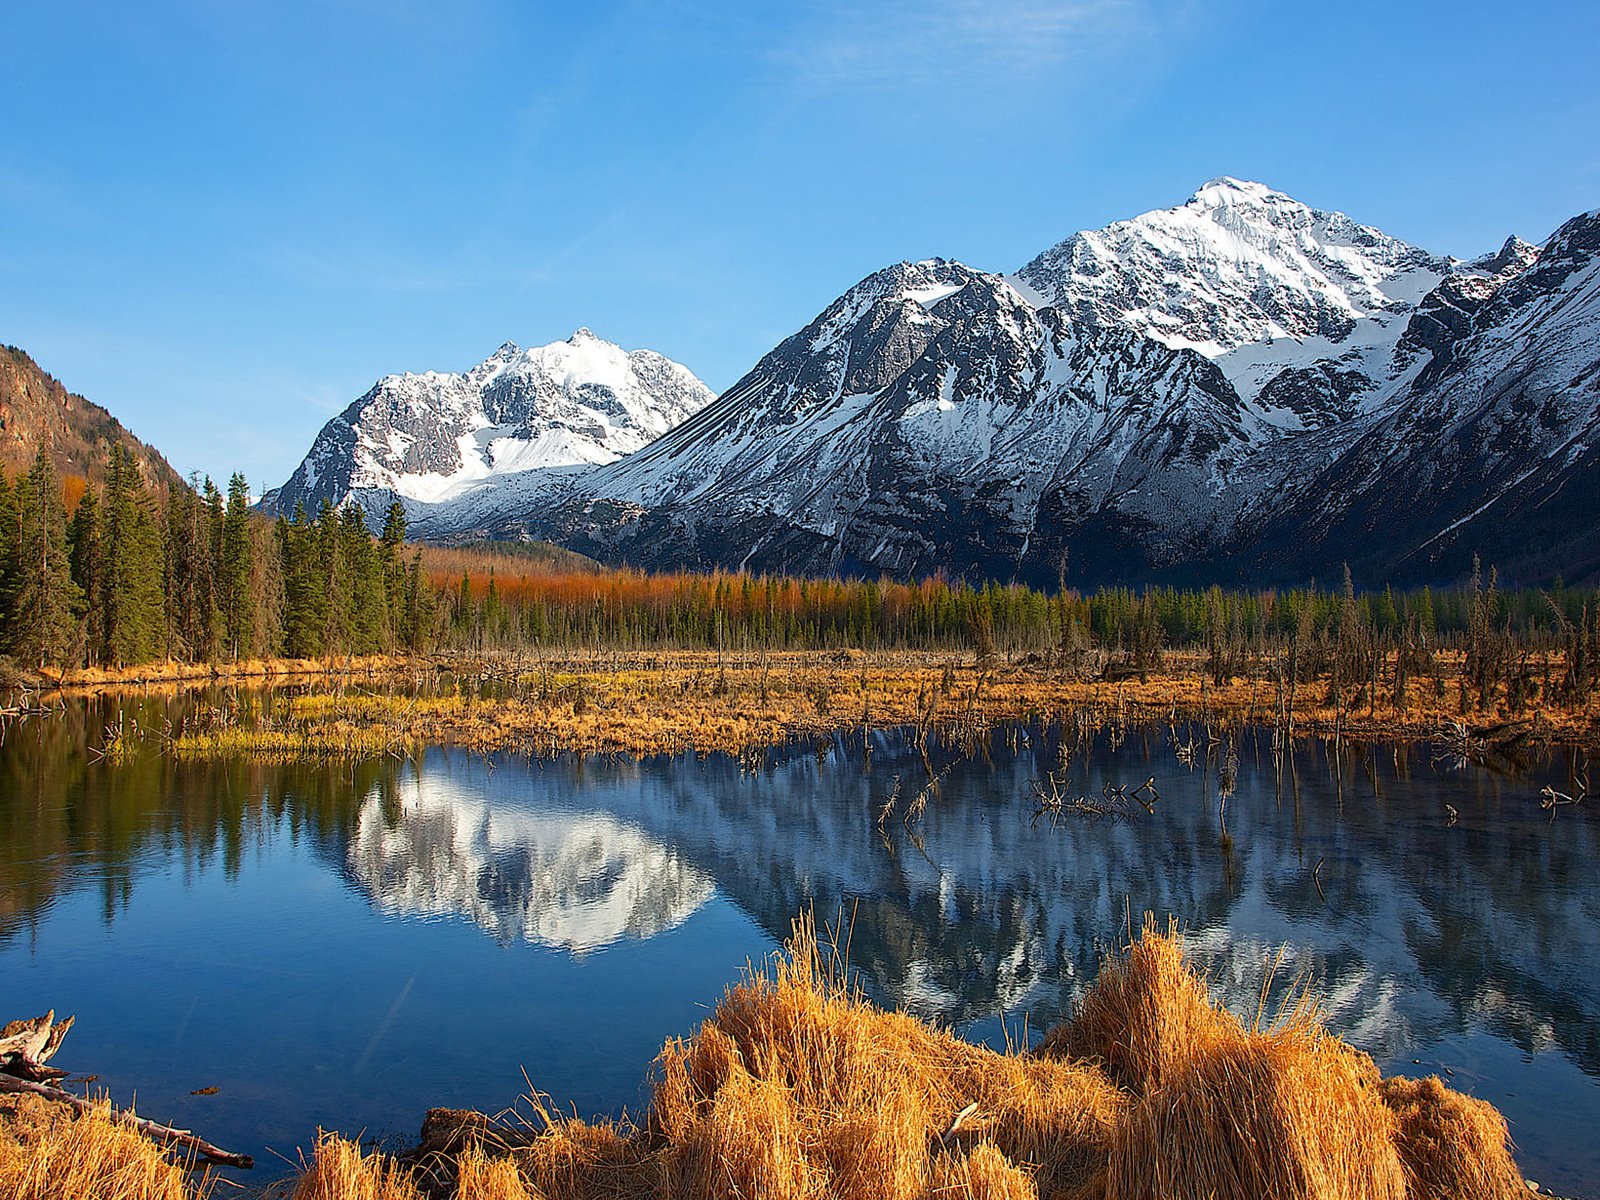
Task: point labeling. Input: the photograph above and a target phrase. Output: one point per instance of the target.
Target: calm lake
(345, 946)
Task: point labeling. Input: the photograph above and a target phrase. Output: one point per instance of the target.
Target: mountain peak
(583, 334)
(1238, 264)
(1225, 190)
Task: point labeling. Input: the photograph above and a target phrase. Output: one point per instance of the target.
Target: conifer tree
(394, 573)
(10, 561)
(88, 569)
(238, 567)
(45, 624)
(330, 568)
(304, 587)
(133, 608)
(364, 602)
(191, 571)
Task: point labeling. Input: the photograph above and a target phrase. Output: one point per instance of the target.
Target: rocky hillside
(35, 410)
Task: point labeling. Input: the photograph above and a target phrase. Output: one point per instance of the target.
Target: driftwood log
(26, 1046)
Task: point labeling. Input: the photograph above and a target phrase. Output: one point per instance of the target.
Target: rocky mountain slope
(490, 436)
(35, 410)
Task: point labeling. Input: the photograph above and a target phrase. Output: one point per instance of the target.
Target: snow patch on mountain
(1250, 278)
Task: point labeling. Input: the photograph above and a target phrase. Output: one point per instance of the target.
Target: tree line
(125, 577)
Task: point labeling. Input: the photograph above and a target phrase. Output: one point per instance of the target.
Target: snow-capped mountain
(930, 417)
(498, 431)
(1494, 446)
(1241, 387)
(1238, 388)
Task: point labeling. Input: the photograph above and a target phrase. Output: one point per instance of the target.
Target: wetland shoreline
(607, 701)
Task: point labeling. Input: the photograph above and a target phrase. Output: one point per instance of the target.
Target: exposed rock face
(35, 411)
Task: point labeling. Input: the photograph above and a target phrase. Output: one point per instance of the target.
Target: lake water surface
(347, 946)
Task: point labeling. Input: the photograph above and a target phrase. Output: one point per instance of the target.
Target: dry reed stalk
(1453, 1147)
(48, 1154)
(1293, 1114)
(862, 1098)
(339, 1171)
(1147, 1015)
(1056, 1116)
(749, 1145)
(481, 1178)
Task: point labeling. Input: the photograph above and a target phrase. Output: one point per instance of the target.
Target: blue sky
(224, 219)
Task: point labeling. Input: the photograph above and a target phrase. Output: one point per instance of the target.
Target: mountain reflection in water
(1410, 929)
(572, 881)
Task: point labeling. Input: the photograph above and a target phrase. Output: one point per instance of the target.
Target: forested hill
(36, 410)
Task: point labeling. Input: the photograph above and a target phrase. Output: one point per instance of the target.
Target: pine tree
(10, 562)
(305, 596)
(394, 573)
(191, 571)
(330, 564)
(364, 599)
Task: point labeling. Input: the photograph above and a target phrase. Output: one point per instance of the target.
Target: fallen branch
(165, 1134)
(25, 1046)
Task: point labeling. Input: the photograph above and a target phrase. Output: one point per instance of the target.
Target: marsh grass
(46, 1153)
(610, 702)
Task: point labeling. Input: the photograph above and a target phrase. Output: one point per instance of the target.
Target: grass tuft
(48, 1153)
(1451, 1145)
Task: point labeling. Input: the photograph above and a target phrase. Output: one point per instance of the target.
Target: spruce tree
(133, 607)
(330, 564)
(45, 628)
(88, 569)
(365, 602)
(305, 594)
(238, 567)
(394, 573)
(10, 562)
(191, 584)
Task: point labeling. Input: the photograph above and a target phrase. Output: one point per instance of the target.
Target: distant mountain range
(1238, 388)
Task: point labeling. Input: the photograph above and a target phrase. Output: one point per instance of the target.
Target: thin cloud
(901, 45)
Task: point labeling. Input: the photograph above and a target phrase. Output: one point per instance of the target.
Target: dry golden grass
(1148, 1016)
(1451, 1145)
(796, 1088)
(984, 1173)
(339, 1171)
(1293, 1114)
(485, 1178)
(250, 670)
(46, 1153)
